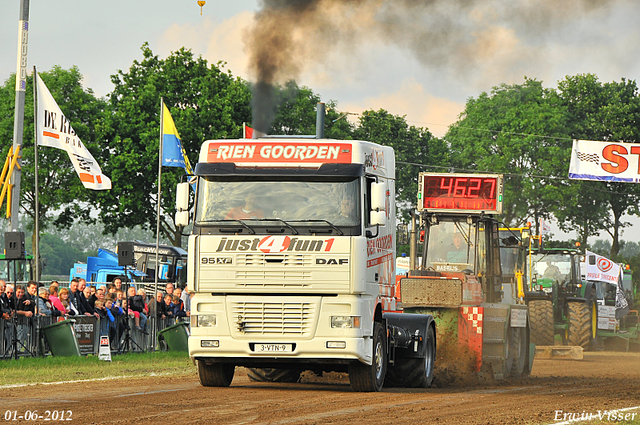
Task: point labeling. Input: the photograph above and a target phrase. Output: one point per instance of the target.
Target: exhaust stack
(320, 121)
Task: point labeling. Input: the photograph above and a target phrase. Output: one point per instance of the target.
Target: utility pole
(18, 123)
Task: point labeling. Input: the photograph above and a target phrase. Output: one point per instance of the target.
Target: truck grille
(272, 318)
(255, 269)
(277, 259)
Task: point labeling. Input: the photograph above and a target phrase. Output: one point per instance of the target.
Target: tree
(518, 130)
(607, 112)
(62, 197)
(415, 149)
(205, 102)
(58, 256)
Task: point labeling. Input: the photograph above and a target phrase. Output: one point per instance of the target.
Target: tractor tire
(541, 322)
(518, 351)
(370, 378)
(273, 375)
(215, 374)
(579, 325)
(415, 373)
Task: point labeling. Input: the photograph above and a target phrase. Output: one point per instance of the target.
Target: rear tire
(541, 322)
(215, 374)
(579, 324)
(415, 373)
(273, 375)
(369, 378)
(518, 350)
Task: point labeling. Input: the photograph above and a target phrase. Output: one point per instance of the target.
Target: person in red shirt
(247, 211)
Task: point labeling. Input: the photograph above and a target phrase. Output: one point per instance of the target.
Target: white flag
(544, 227)
(54, 130)
(601, 269)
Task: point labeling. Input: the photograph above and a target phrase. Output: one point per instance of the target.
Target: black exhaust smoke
(288, 35)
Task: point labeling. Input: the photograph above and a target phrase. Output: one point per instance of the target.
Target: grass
(55, 369)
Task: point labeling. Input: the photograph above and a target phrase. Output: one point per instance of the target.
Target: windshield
(451, 246)
(251, 202)
(509, 250)
(552, 266)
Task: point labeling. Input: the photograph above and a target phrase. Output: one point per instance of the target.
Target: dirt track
(602, 381)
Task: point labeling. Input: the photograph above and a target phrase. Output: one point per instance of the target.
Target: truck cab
(291, 258)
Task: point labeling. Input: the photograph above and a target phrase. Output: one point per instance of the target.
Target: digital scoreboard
(460, 192)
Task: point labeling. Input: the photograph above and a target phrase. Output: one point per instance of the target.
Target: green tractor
(562, 306)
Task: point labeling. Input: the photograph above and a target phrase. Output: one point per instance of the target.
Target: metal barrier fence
(22, 336)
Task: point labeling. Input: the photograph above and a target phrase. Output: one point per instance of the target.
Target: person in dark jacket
(178, 307)
(137, 305)
(83, 299)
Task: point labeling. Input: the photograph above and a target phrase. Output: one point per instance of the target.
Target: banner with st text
(605, 161)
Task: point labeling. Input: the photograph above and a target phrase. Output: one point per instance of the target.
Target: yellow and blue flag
(173, 154)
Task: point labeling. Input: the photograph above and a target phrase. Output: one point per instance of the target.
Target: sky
(417, 58)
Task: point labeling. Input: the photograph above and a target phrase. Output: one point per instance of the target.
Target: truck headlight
(345, 322)
(203, 320)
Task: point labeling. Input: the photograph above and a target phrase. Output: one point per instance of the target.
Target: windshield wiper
(333, 226)
(293, 229)
(245, 225)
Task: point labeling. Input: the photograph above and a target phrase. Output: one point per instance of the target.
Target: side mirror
(182, 196)
(378, 196)
(378, 218)
(182, 204)
(182, 218)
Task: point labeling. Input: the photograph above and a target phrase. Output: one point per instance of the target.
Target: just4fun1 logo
(275, 244)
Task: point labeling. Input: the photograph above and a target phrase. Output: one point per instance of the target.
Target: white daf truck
(292, 258)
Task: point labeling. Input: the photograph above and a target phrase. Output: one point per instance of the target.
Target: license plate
(274, 348)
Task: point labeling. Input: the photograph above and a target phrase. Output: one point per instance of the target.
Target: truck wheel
(365, 378)
(541, 322)
(415, 373)
(579, 324)
(518, 351)
(215, 374)
(273, 375)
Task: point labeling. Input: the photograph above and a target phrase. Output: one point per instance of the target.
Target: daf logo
(332, 261)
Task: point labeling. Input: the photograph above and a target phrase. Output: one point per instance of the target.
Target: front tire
(215, 374)
(580, 324)
(370, 378)
(541, 322)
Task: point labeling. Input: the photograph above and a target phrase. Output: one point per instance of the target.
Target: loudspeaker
(125, 254)
(14, 245)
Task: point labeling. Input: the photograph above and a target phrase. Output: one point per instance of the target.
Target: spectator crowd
(113, 306)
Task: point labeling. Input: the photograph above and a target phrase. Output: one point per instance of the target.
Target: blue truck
(104, 267)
